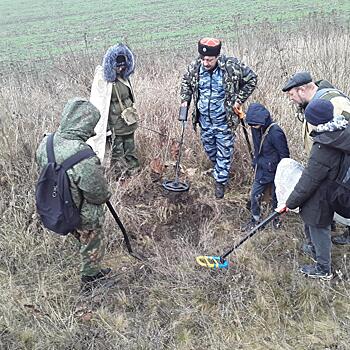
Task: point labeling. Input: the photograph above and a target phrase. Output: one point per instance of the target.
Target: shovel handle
(240, 114)
(121, 226)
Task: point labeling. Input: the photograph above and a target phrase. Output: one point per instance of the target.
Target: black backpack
(53, 197)
(340, 197)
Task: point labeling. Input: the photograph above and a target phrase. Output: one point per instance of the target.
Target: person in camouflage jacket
(118, 65)
(218, 85)
(88, 185)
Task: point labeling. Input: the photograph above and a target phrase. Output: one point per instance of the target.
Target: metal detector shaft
(121, 226)
(253, 231)
(179, 157)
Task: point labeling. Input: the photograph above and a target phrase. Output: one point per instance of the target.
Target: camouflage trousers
(91, 250)
(218, 142)
(124, 156)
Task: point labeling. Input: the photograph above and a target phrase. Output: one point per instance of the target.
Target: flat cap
(298, 79)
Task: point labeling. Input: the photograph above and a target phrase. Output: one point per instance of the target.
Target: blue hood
(257, 114)
(109, 62)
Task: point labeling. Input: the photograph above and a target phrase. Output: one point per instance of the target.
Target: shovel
(125, 235)
(239, 112)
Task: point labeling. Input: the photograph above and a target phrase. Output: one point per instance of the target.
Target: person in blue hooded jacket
(270, 146)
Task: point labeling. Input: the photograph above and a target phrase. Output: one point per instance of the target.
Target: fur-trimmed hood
(109, 62)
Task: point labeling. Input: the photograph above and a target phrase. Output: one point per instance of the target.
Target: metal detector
(125, 235)
(176, 185)
(219, 262)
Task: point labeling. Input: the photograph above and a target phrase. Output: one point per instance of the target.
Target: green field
(34, 29)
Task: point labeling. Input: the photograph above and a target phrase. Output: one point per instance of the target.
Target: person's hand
(282, 208)
(237, 109)
(237, 106)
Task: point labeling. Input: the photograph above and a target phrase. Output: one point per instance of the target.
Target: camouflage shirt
(239, 81)
(211, 101)
(126, 95)
(88, 185)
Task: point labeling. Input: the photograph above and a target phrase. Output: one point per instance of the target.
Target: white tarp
(287, 176)
(100, 97)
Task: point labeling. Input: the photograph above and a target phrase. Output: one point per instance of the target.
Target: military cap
(209, 47)
(298, 79)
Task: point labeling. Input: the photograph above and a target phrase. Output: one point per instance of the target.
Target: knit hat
(209, 47)
(120, 61)
(319, 111)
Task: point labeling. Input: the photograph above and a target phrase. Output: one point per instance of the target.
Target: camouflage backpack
(53, 197)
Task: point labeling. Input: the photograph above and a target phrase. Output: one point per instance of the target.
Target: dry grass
(168, 302)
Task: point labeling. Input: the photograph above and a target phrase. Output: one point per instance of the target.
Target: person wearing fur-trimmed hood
(118, 65)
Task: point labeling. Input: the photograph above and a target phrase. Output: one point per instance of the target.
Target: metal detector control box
(183, 113)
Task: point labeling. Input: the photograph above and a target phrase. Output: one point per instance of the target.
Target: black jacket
(270, 146)
(311, 193)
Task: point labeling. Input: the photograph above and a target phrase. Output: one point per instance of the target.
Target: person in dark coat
(331, 138)
(270, 146)
(301, 89)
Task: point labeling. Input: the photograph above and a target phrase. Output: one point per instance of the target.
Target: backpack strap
(49, 149)
(78, 157)
(264, 136)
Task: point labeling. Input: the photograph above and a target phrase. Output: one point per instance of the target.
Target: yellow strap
(206, 262)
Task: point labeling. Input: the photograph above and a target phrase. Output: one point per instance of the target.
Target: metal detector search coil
(219, 262)
(176, 185)
(213, 262)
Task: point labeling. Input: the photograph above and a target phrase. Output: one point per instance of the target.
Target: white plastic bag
(287, 176)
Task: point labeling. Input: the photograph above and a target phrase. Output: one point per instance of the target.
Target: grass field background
(166, 302)
(41, 29)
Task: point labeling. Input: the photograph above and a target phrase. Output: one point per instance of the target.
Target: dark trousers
(321, 240)
(256, 195)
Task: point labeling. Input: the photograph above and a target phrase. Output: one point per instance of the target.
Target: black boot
(219, 190)
(250, 224)
(342, 239)
(101, 274)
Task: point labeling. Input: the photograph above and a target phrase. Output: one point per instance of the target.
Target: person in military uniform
(302, 90)
(88, 185)
(219, 85)
(118, 64)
